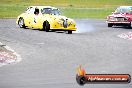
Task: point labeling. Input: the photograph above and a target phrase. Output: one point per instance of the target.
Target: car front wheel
(130, 25)
(21, 23)
(69, 32)
(46, 26)
(110, 25)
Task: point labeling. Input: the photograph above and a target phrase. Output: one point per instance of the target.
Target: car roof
(125, 6)
(40, 7)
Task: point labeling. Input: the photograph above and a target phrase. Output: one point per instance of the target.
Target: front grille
(65, 23)
(121, 19)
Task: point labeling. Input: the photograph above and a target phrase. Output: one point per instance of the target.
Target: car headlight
(59, 22)
(72, 22)
(112, 19)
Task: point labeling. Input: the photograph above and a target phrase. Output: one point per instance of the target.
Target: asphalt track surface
(50, 59)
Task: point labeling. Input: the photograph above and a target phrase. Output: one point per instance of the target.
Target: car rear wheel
(69, 32)
(21, 23)
(46, 26)
(110, 25)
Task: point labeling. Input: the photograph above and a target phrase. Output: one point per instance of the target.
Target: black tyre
(69, 32)
(110, 25)
(21, 23)
(81, 80)
(130, 25)
(46, 26)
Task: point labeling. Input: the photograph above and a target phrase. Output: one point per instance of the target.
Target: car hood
(121, 15)
(57, 17)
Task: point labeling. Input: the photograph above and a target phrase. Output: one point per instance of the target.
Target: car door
(29, 16)
(37, 20)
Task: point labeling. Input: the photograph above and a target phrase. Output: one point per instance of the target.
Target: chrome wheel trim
(21, 22)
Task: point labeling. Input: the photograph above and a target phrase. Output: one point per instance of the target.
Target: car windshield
(124, 10)
(50, 11)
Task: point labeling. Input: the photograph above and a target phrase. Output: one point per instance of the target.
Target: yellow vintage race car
(45, 18)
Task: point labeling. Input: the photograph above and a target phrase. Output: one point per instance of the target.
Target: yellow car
(45, 18)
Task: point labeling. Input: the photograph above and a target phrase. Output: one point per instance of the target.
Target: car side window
(118, 10)
(36, 12)
(123, 10)
(27, 11)
(30, 10)
(130, 10)
(46, 11)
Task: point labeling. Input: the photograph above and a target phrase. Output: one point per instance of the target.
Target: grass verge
(69, 8)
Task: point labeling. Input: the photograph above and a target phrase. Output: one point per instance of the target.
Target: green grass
(86, 12)
(70, 8)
